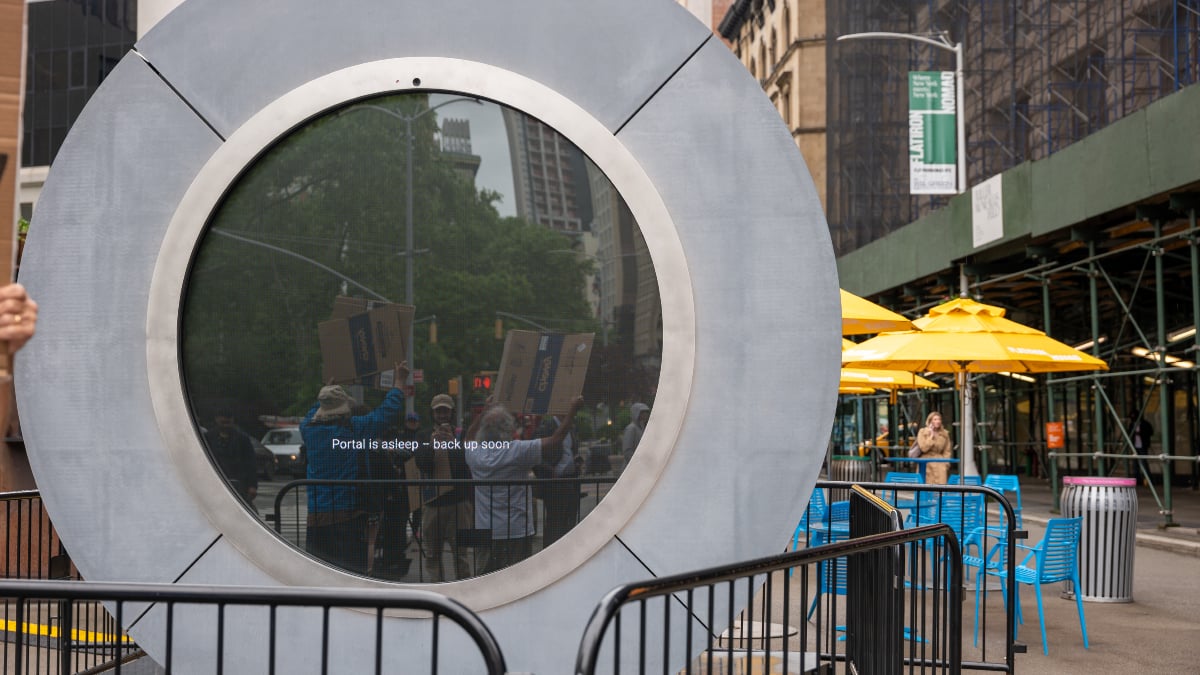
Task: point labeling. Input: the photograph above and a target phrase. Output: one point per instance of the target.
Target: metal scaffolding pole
(1164, 381)
(1094, 302)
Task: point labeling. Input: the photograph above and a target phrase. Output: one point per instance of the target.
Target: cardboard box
(363, 341)
(542, 373)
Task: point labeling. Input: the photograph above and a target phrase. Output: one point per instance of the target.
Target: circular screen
(378, 280)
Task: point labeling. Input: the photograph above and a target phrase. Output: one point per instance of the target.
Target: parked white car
(285, 442)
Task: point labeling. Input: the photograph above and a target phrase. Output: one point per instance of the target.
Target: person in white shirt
(492, 454)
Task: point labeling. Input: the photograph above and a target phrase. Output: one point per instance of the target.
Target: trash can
(849, 467)
(1109, 509)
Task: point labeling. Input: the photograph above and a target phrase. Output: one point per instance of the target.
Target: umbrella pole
(967, 429)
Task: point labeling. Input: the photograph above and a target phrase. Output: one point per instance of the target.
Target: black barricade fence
(875, 590)
(458, 528)
(760, 616)
(32, 547)
(251, 630)
(984, 523)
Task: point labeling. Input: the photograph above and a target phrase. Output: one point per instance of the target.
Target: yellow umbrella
(883, 379)
(860, 316)
(868, 380)
(967, 336)
(962, 336)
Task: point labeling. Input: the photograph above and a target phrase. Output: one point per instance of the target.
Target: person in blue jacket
(336, 441)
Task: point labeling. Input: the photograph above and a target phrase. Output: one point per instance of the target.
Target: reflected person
(234, 455)
(445, 509)
(504, 509)
(639, 414)
(560, 501)
(335, 438)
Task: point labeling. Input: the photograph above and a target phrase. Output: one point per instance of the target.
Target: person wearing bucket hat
(445, 509)
(337, 432)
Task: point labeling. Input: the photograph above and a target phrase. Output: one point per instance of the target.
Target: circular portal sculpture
(728, 220)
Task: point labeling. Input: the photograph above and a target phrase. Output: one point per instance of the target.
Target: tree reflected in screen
(467, 221)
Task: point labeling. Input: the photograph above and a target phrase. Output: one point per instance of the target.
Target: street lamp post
(942, 42)
(408, 210)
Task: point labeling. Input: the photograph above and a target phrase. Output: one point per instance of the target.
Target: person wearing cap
(445, 509)
(335, 438)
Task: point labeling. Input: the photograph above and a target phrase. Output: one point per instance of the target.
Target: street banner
(932, 133)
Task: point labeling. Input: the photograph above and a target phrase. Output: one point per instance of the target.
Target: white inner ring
(281, 560)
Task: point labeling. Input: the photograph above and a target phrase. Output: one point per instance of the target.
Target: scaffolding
(1039, 76)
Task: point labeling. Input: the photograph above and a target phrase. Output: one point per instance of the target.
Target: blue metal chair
(816, 512)
(904, 478)
(995, 558)
(958, 479)
(1054, 559)
(963, 513)
(1004, 484)
(831, 574)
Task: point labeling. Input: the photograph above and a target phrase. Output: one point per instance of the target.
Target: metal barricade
(750, 616)
(923, 504)
(552, 506)
(32, 547)
(1109, 508)
(47, 618)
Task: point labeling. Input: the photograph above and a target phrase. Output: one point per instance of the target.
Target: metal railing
(996, 625)
(44, 635)
(875, 597)
(548, 506)
(32, 548)
(749, 616)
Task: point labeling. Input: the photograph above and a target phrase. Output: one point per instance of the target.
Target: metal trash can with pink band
(1109, 509)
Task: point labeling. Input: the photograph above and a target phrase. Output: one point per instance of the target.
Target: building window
(71, 47)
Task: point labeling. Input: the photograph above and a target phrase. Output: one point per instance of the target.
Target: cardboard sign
(364, 341)
(541, 373)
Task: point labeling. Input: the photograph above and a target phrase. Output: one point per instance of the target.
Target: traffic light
(452, 386)
(499, 329)
(482, 381)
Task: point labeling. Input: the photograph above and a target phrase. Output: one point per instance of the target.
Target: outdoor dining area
(960, 337)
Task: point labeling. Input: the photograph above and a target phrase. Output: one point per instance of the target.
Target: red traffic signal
(482, 381)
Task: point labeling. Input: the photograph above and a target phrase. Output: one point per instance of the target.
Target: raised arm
(552, 444)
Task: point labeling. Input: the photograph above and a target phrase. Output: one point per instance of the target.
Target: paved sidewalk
(1156, 633)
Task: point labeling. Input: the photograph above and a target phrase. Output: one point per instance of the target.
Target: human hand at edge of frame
(18, 316)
